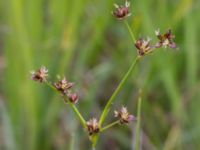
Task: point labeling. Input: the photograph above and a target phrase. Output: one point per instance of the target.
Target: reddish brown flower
(92, 126)
(143, 46)
(124, 116)
(165, 40)
(121, 12)
(39, 75)
(63, 85)
(73, 97)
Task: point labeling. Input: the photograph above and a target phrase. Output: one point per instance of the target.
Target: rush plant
(94, 127)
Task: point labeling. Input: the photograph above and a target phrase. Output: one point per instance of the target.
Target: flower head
(39, 75)
(63, 85)
(143, 46)
(165, 40)
(73, 97)
(92, 126)
(123, 115)
(121, 12)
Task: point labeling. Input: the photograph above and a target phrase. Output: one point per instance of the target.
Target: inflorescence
(143, 45)
(123, 115)
(64, 87)
(121, 12)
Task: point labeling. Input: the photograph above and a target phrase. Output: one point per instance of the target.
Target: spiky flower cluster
(166, 41)
(143, 45)
(123, 115)
(62, 85)
(39, 75)
(121, 12)
(92, 126)
(64, 88)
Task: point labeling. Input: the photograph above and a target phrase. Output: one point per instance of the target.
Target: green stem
(130, 31)
(51, 86)
(76, 111)
(137, 136)
(94, 141)
(72, 142)
(93, 148)
(120, 86)
(109, 126)
(72, 106)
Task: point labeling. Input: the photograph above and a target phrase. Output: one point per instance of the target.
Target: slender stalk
(51, 86)
(109, 126)
(76, 111)
(94, 141)
(72, 141)
(137, 139)
(120, 86)
(130, 31)
(72, 106)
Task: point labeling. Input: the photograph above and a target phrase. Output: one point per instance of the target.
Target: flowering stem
(130, 31)
(110, 125)
(72, 106)
(137, 139)
(120, 86)
(93, 148)
(51, 86)
(76, 111)
(94, 141)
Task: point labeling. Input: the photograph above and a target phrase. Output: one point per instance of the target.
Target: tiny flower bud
(121, 12)
(73, 97)
(63, 85)
(165, 40)
(92, 126)
(39, 75)
(124, 116)
(143, 46)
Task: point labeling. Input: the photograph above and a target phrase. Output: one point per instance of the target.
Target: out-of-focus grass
(81, 40)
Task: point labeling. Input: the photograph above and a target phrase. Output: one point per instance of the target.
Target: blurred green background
(81, 40)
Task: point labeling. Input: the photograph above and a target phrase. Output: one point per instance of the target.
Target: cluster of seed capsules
(144, 46)
(62, 85)
(64, 88)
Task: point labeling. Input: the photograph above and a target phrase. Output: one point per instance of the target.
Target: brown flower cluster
(124, 116)
(39, 75)
(144, 46)
(92, 126)
(121, 12)
(166, 40)
(62, 85)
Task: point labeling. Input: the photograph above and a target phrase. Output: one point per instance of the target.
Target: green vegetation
(81, 40)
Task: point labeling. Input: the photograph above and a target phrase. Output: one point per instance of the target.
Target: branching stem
(117, 90)
(109, 126)
(72, 106)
